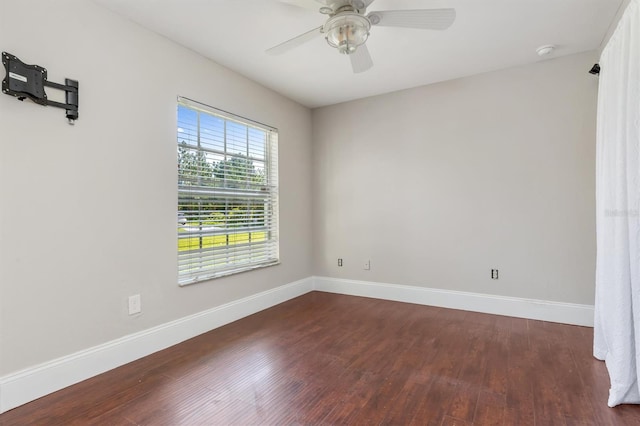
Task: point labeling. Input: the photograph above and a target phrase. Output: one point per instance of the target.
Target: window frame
(207, 263)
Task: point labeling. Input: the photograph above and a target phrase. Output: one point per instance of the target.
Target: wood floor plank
(333, 359)
(490, 409)
(464, 401)
(452, 421)
(404, 405)
(432, 408)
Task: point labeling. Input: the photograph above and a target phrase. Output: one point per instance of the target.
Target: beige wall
(437, 185)
(88, 213)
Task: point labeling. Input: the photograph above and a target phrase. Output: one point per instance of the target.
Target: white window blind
(227, 193)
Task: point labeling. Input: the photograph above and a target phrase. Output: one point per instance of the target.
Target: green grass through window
(193, 243)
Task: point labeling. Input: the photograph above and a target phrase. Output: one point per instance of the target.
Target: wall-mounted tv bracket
(28, 81)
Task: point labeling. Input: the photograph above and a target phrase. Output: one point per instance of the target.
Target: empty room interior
(320, 212)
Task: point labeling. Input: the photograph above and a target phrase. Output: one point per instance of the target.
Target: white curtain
(617, 307)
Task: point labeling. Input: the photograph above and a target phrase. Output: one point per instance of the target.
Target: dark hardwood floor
(333, 359)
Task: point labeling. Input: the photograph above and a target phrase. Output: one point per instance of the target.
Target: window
(227, 193)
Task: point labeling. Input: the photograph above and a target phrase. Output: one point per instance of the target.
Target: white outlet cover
(135, 304)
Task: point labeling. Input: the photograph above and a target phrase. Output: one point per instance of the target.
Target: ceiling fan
(348, 26)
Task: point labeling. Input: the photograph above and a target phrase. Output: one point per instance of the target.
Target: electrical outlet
(367, 265)
(135, 304)
(494, 274)
(339, 262)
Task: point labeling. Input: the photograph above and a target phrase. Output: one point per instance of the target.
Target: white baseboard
(566, 313)
(32, 383)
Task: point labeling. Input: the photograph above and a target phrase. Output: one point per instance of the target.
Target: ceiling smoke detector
(545, 50)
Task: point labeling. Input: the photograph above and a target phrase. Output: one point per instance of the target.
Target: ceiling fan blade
(361, 59)
(426, 19)
(294, 42)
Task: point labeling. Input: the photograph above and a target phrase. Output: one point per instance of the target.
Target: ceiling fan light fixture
(347, 31)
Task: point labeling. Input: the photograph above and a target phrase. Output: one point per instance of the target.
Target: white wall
(88, 212)
(437, 185)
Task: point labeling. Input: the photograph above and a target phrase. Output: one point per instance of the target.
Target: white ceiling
(487, 35)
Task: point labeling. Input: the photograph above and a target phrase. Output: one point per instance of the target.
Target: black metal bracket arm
(28, 81)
